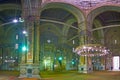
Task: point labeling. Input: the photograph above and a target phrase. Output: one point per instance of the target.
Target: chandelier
(92, 50)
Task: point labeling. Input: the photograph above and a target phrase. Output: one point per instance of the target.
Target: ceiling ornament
(87, 4)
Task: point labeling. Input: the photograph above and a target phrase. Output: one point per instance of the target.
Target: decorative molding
(86, 5)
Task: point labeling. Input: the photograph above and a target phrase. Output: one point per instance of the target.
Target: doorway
(116, 63)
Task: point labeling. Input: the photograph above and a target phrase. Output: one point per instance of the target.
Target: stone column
(31, 15)
(37, 43)
(23, 54)
(83, 66)
(30, 42)
(82, 60)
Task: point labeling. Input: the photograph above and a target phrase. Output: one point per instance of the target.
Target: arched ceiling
(106, 15)
(9, 15)
(109, 18)
(9, 10)
(103, 32)
(59, 15)
(56, 14)
(10, 1)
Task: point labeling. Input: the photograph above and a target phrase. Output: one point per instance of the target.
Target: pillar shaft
(84, 39)
(30, 43)
(36, 43)
(31, 15)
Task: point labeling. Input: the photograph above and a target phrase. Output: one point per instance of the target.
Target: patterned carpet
(97, 75)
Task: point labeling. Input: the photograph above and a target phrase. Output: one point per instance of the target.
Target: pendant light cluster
(92, 50)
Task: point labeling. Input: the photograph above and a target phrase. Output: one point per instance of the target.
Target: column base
(85, 69)
(29, 71)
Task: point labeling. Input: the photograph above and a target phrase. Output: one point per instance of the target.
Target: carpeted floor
(96, 75)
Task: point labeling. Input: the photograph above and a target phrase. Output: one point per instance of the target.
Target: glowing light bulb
(15, 20)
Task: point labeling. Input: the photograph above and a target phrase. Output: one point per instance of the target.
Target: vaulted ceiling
(60, 15)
